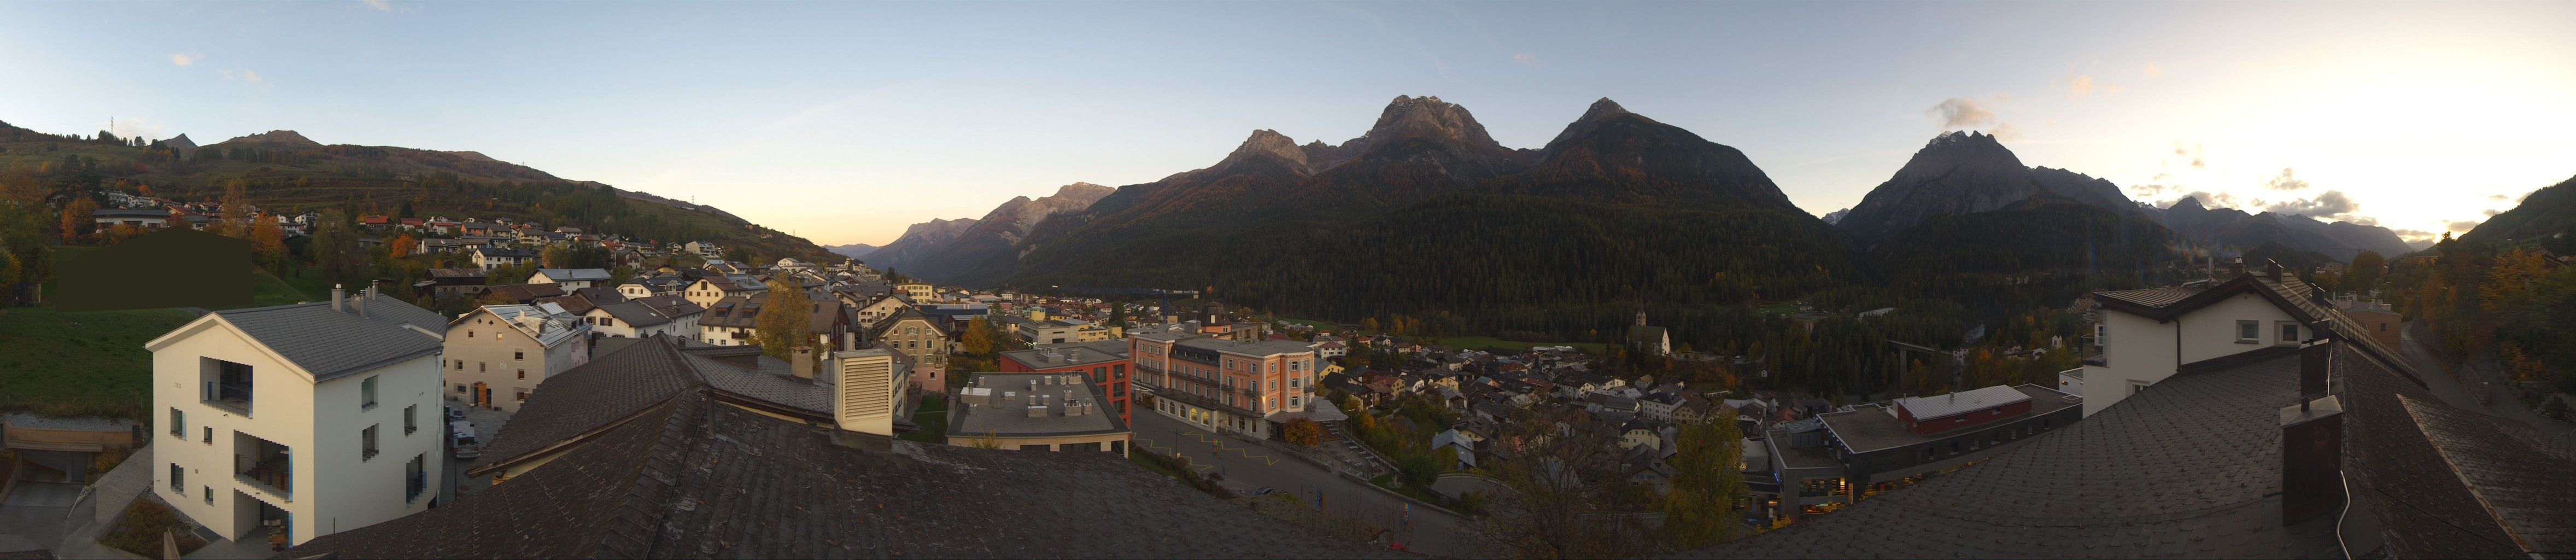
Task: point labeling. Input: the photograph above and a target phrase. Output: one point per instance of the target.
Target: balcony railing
(274, 473)
(233, 396)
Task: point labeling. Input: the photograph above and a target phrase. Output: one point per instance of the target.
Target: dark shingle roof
(2152, 297)
(692, 477)
(2190, 467)
(610, 387)
(331, 343)
(634, 314)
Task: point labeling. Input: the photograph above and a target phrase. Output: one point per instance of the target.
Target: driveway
(1246, 465)
(487, 424)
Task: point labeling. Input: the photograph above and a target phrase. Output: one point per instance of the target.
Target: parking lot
(487, 425)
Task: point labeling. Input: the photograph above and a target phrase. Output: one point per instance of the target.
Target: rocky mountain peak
(1956, 173)
(1600, 112)
(1427, 117)
(1266, 143)
(2188, 203)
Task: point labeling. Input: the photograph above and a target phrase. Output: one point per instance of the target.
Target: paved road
(1247, 465)
(2429, 366)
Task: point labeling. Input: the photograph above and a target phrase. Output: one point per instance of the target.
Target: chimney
(360, 303)
(2236, 267)
(2272, 268)
(2311, 459)
(337, 294)
(803, 360)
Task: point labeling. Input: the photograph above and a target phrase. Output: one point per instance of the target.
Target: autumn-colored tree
(1707, 486)
(785, 321)
(401, 245)
(119, 233)
(978, 339)
(145, 190)
(1303, 432)
(268, 240)
(76, 217)
(236, 209)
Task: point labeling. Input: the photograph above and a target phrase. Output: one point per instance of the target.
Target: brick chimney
(2312, 441)
(802, 357)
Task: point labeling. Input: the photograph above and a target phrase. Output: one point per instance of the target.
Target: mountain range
(1425, 211)
(2548, 212)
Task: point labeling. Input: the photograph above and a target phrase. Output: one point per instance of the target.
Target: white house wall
(333, 488)
(2141, 350)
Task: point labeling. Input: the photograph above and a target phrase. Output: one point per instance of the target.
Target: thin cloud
(2199, 163)
(2330, 204)
(252, 77)
(132, 127)
(379, 5)
(2497, 197)
(2079, 86)
(2412, 234)
(2284, 182)
(1961, 112)
(2005, 132)
(1525, 58)
(2464, 225)
(2492, 212)
(184, 59)
(2154, 71)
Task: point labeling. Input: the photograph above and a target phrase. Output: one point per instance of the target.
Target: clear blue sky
(847, 122)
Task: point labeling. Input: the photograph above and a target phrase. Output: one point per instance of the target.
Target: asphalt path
(1246, 466)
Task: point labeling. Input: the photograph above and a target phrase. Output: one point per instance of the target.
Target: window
(523, 373)
(367, 393)
(520, 355)
(460, 387)
(178, 479)
(367, 443)
(480, 367)
(2249, 332)
(1292, 402)
(469, 333)
(411, 419)
(416, 477)
(210, 435)
(178, 423)
(207, 492)
(523, 394)
(2289, 333)
(460, 365)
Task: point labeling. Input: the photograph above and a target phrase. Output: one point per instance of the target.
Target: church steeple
(1641, 317)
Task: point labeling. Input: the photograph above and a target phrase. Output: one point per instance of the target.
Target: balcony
(227, 385)
(264, 465)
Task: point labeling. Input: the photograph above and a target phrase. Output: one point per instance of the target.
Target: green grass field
(1491, 342)
(84, 363)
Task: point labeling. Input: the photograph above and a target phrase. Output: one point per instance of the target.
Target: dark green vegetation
(80, 364)
(2494, 298)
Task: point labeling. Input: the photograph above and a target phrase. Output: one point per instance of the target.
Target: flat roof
(1048, 356)
(1874, 428)
(997, 404)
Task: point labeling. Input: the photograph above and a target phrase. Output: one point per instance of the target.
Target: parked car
(461, 434)
(455, 414)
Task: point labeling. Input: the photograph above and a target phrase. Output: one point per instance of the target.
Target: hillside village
(418, 384)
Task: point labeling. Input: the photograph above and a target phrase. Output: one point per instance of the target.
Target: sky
(847, 122)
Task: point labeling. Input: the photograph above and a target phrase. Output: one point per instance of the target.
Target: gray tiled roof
(695, 478)
(2189, 467)
(612, 386)
(635, 314)
(774, 381)
(330, 343)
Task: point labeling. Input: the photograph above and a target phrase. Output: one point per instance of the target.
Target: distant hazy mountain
(918, 241)
(853, 250)
(2546, 212)
(1836, 216)
(986, 245)
(2337, 240)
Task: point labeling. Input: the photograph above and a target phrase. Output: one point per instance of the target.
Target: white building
(2148, 335)
(638, 318)
(570, 278)
(319, 417)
